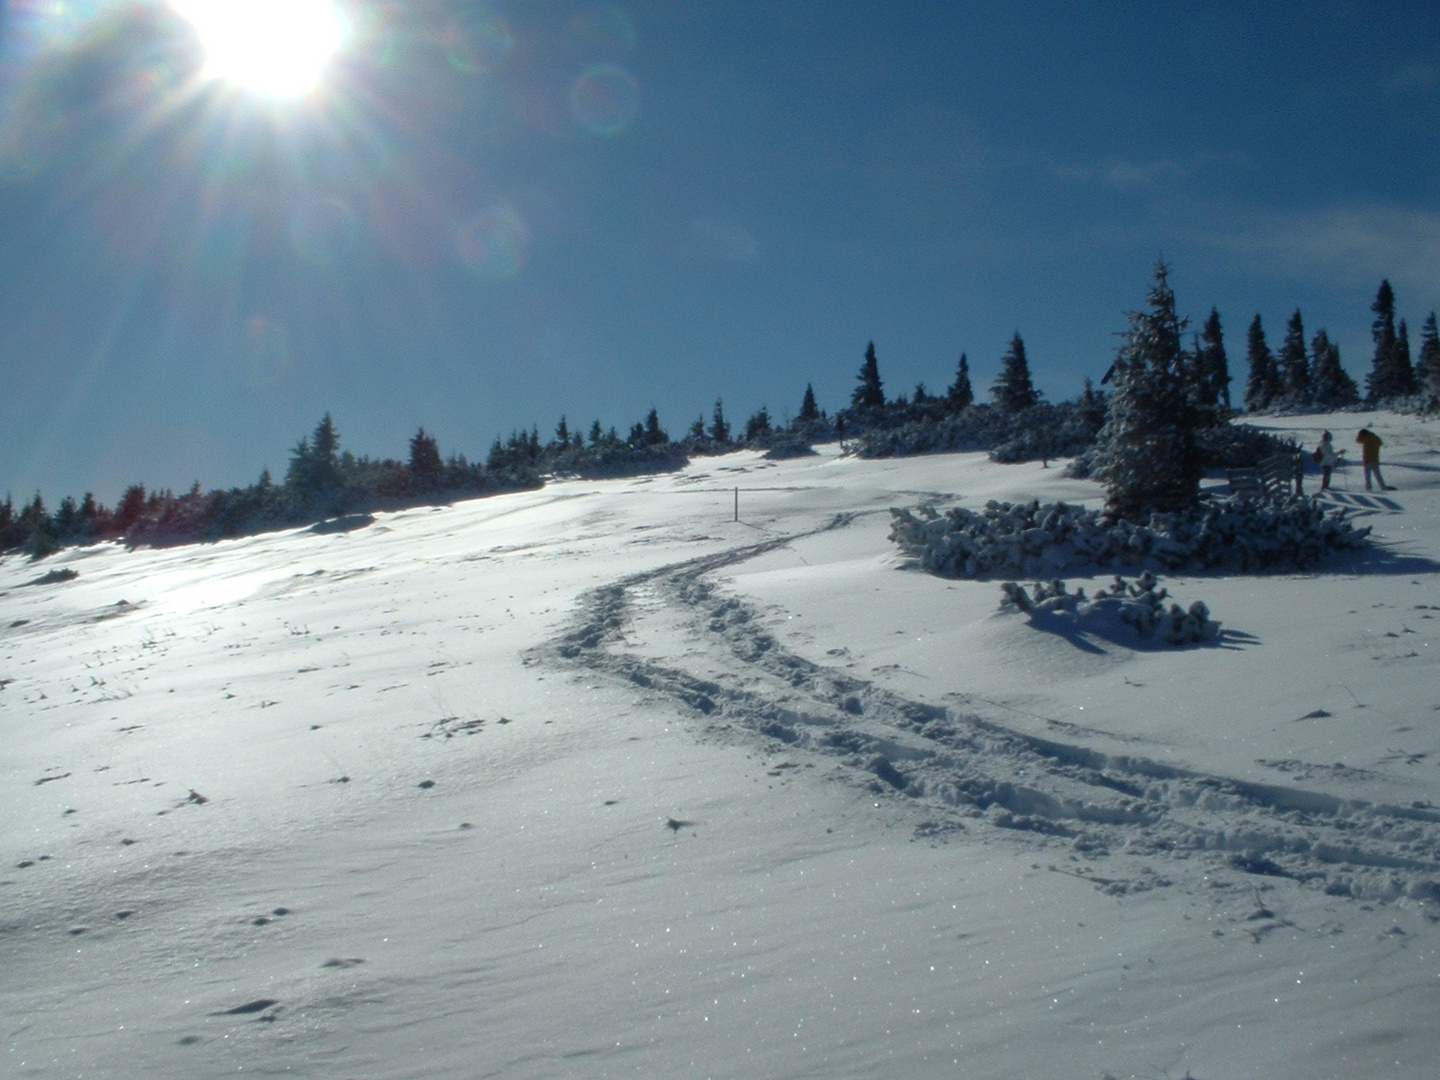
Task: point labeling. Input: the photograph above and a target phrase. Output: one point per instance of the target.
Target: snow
(598, 781)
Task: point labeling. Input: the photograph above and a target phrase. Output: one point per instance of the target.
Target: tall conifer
(1013, 391)
(1262, 384)
(1147, 452)
(1331, 386)
(960, 395)
(1427, 366)
(870, 392)
(1293, 364)
(1212, 365)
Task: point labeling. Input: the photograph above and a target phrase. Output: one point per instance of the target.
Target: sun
(273, 48)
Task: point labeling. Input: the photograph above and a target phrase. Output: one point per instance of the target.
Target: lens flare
(274, 48)
(494, 243)
(605, 100)
(477, 42)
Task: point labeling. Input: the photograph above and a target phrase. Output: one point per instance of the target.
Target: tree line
(1149, 437)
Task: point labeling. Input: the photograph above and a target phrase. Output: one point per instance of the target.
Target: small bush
(1140, 607)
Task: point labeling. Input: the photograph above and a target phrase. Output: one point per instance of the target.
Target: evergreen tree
(1262, 387)
(1212, 367)
(1293, 364)
(809, 411)
(37, 528)
(425, 463)
(758, 425)
(655, 435)
(719, 428)
(1331, 387)
(314, 476)
(1013, 390)
(961, 395)
(697, 430)
(1092, 406)
(596, 433)
(562, 433)
(1147, 452)
(1427, 367)
(870, 393)
(1391, 375)
(130, 508)
(1404, 364)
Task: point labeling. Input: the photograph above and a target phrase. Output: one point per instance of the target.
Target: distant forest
(324, 482)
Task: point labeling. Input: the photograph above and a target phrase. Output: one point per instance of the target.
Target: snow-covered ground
(598, 781)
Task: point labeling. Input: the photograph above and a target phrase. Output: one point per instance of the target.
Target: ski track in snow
(1134, 824)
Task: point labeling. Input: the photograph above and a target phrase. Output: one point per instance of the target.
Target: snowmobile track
(960, 768)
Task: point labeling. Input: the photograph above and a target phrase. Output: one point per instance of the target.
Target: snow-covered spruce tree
(1013, 391)
(1262, 384)
(960, 395)
(1331, 387)
(1147, 452)
(1294, 365)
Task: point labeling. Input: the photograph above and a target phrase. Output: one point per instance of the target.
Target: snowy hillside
(598, 781)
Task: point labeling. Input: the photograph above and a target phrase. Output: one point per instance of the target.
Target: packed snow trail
(1131, 823)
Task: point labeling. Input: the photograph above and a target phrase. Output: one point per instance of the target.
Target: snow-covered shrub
(1035, 540)
(1140, 606)
(784, 444)
(1043, 431)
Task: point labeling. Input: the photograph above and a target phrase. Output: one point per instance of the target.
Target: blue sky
(487, 215)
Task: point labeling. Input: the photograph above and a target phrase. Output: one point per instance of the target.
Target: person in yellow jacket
(1370, 444)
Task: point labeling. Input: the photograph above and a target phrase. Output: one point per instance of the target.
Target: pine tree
(870, 393)
(1013, 390)
(758, 425)
(1092, 406)
(719, 429)
(1331, 387)
(130, 508)
(654, 435)
(1427, 367)
(809, 411)
(1262, 386)
(1293, 364)
(425, 463)
(1213, 367)
(697, 430)
(562, 433)
(1391, 374)
(961, 394)
(1404, 364)
(1147, 452)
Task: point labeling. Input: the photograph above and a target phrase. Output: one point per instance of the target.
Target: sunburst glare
(273, 48)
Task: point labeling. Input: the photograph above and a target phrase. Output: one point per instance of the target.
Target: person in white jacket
(1328, 457)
